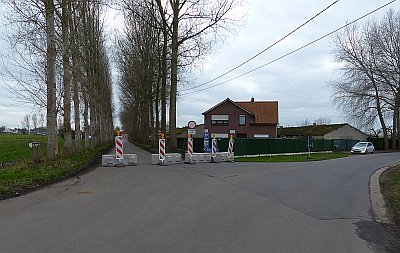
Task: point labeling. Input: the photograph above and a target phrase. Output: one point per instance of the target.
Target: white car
(363, 148)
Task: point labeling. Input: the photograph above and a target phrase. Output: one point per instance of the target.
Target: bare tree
(52, 147)
(35, 120)
(46, 32)
(322, 121)
(139, 64)
(305, 122)
(193, 22)
(41, 120)
(26, 122)
(359, 93)
(65, 25)
(183, 32)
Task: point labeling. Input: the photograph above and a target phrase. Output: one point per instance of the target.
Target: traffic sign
(192, 124)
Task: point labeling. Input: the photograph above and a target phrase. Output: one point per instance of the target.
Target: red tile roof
(265, 112)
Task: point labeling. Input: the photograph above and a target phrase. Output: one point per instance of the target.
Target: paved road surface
(228, 207)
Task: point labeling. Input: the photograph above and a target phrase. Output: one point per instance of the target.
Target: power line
(264, 50)
(294, 51)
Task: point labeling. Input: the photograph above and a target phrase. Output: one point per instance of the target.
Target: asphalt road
(227, 207)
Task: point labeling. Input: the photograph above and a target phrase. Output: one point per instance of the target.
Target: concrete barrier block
(170, 158)
(155, 159)
(189, 159)
(224, 157)
(109, 161)
(130, 159)
(216, 159)
(198, 158)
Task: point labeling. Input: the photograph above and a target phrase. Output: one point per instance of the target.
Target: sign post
(35, 153)
(309, 145)
(206, 141)
(192, 127)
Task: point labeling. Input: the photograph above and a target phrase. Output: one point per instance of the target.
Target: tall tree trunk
(66, 77)
(52, 148)
(394, 131)
(380, 115)
(76, 75)
(173, 146)
(86, 121)
(164, 82)
(398, 129)
(77, 117)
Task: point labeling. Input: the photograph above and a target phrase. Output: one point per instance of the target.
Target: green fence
(343, 145)
(271, 146)
(378, 143)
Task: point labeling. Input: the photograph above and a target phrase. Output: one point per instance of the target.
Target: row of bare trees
(161, 40)
(61, 64)
(369, 88)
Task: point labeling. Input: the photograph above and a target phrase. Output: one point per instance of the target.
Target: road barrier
(112, 161)
(170, 158)
(224, 157)
(198, 158)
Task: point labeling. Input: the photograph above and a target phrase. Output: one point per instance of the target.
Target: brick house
(251, 119)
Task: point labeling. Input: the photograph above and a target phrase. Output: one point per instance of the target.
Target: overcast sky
(299, 82)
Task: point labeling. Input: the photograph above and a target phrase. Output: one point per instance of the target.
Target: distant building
(328, 132)
(248, 119)
(10, 131)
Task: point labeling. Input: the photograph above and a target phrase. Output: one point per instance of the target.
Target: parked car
(363, 148)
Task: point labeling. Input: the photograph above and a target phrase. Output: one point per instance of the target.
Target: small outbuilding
(327, 132)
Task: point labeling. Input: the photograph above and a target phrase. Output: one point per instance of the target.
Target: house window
(242, 120)
(220, 120)
(241, 135)
(261, 135)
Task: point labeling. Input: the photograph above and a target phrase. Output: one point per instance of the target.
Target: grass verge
(292, 158)
(17, 175)
(390, 185)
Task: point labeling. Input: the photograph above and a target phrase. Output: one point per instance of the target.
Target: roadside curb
(377, 201)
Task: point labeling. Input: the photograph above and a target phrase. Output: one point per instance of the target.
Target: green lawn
(17, 174)
(15, 147)
(292, 158)
(390, 182)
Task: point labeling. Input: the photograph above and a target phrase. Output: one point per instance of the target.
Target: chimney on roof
(252, 99)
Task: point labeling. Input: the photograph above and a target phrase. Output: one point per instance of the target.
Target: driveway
(227, 207)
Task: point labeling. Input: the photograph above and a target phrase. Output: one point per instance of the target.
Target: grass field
(15, 147)
(390, 182)
(17, 174)
(292, 158)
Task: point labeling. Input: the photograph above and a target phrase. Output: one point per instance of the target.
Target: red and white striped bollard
(119, 147)
(214, 148)
(161, 148)
(230, 148)
(190, 146)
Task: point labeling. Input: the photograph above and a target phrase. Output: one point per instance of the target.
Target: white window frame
(242, 116)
